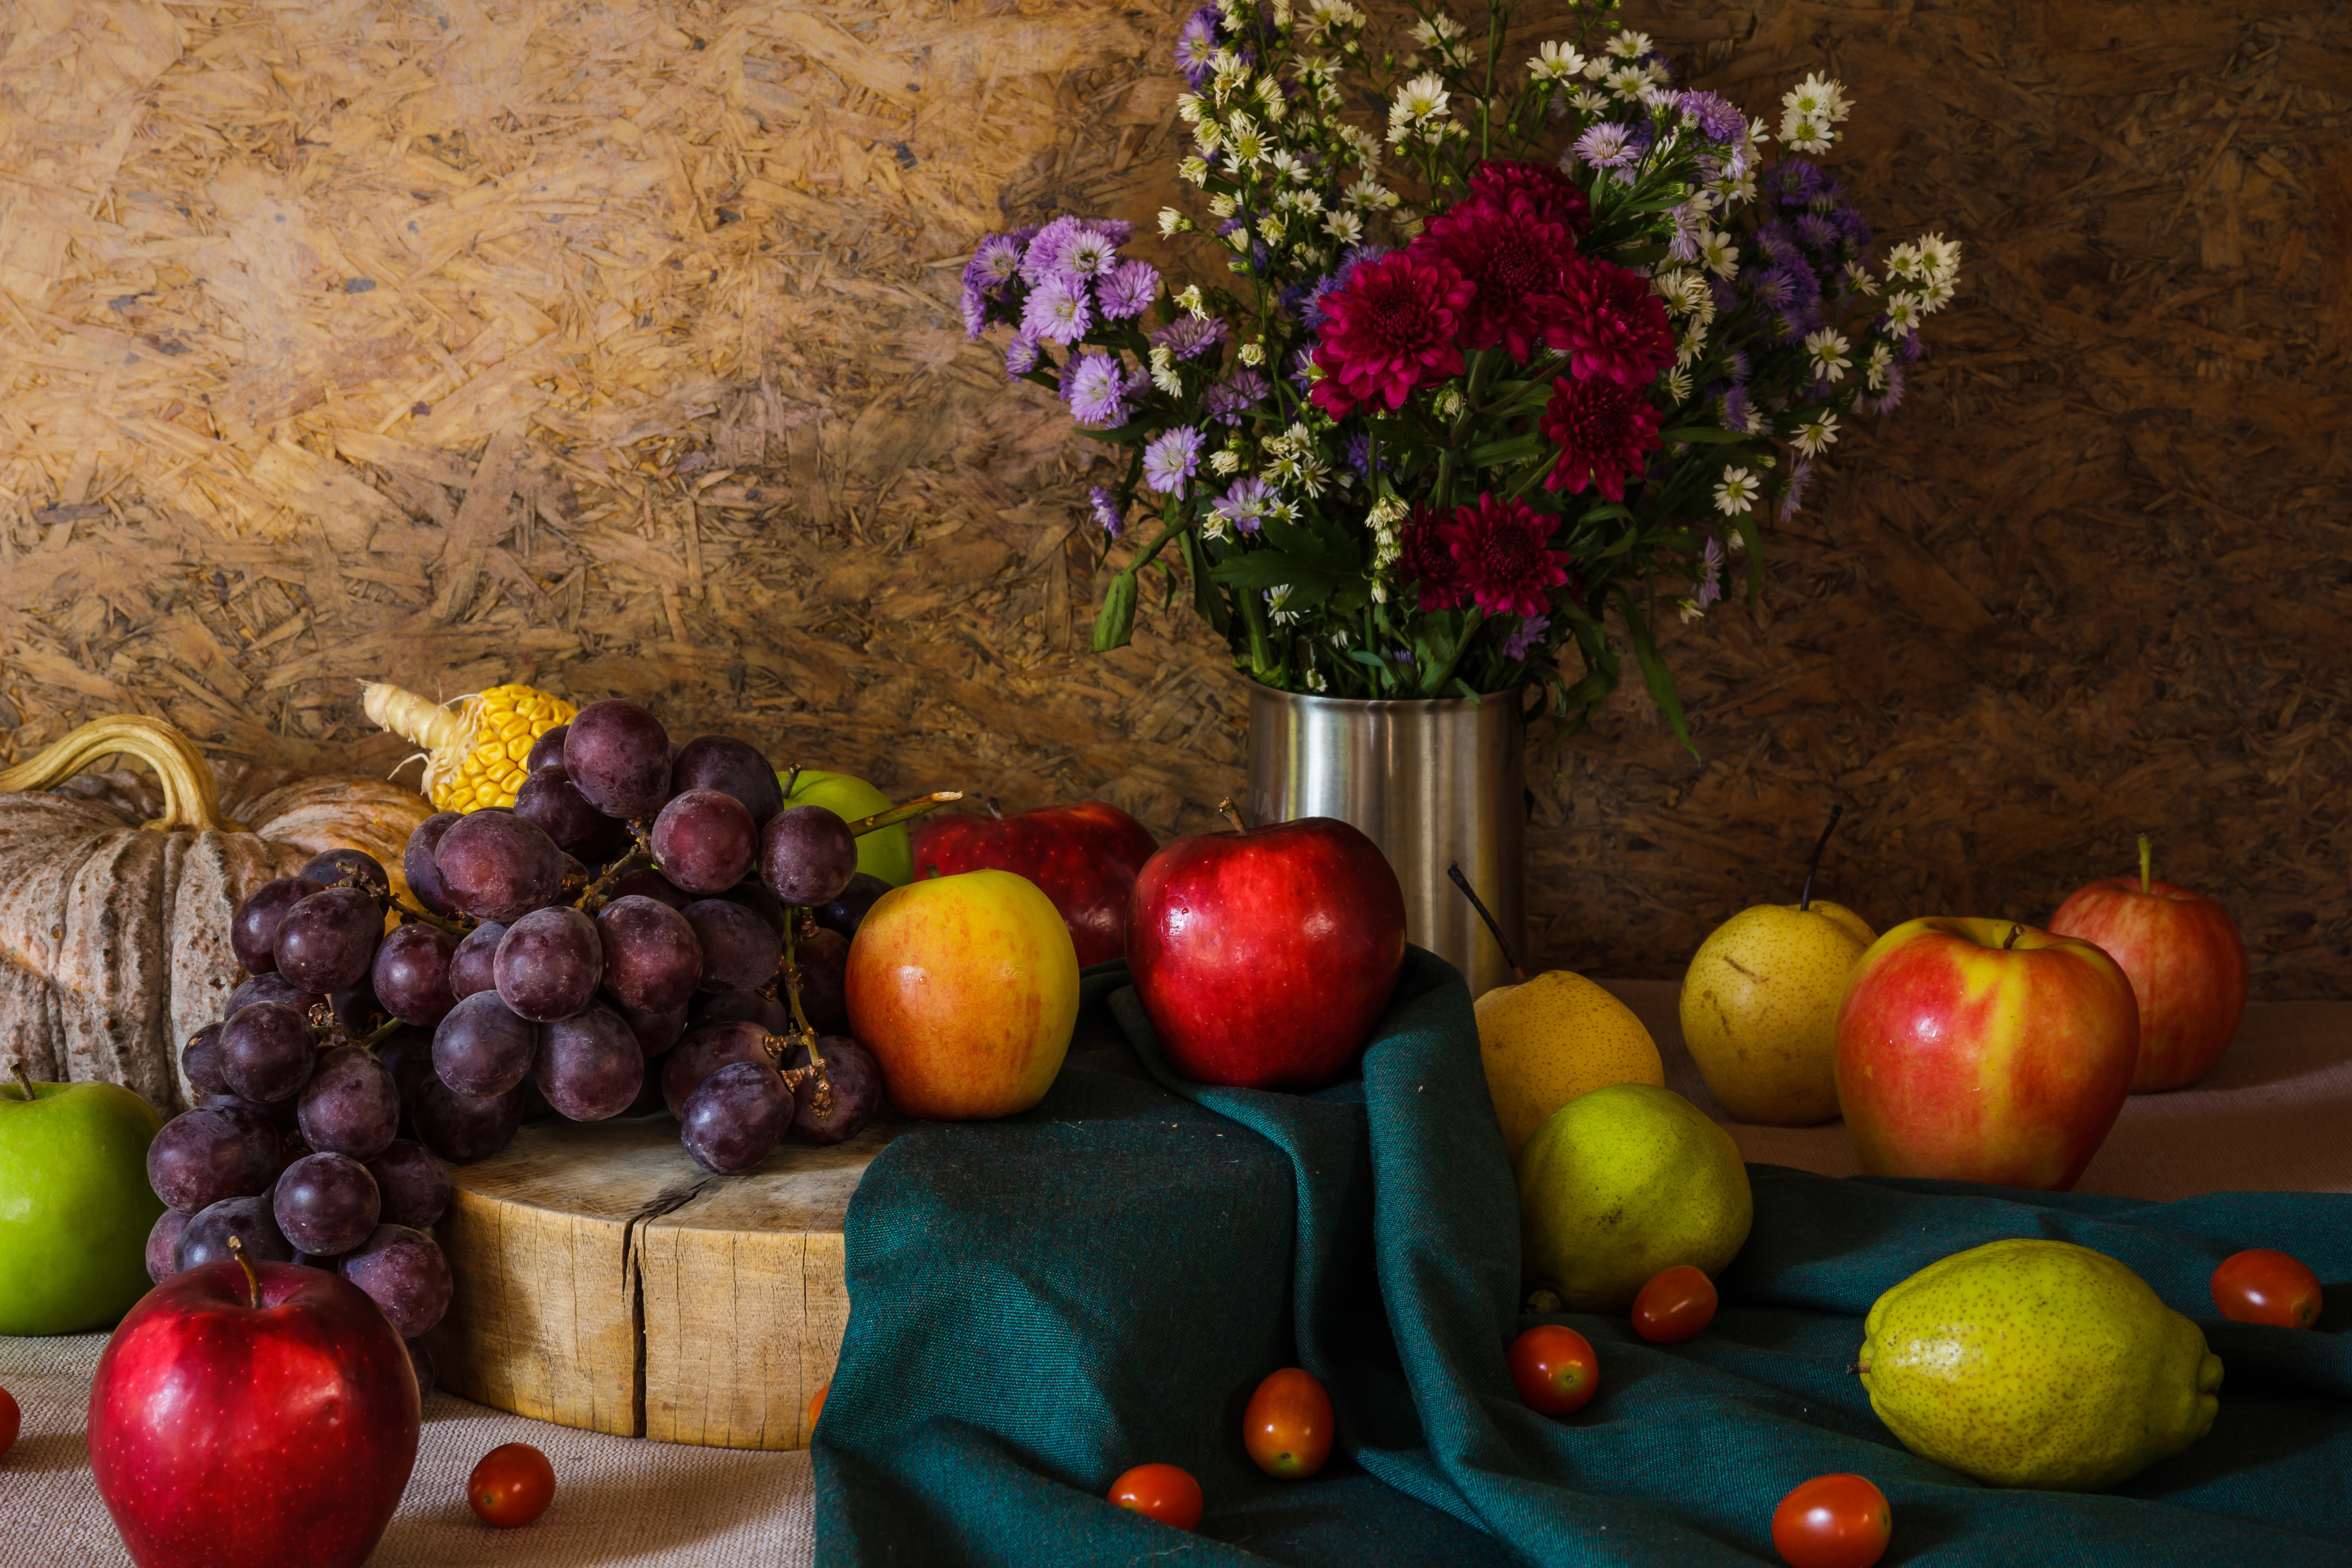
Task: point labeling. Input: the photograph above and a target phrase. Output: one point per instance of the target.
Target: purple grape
(267, 1052)
(424, 874)
(350, 869)
(413, 1184)
(655, 1032)
(591, 1067)
(499, 866)
(326, 1204)
(824, 959)
(204, 1239)
(535, 1108)
(200, 1060)
(704, 1051)
(474, 965)
(738, 951)
(649, 1097)
(253, 928)
(464, 1128)
(549, 964)
(162, 1242)
(271, 987)
(327, 942)
(421, 1360)
(548, 750)
(724, 762)
(618, 756)
(703, 841)
(352, 1106)
(403, 1270)
(734, 1118)
(807, 855)
(548, 798)
(858, 1092)
(647, 883)
(750, 1007)
(482, 1048)
(407, 1055)
(411, 974)
(652, 961)
(847, 912)
(752, 895)
(358, 1009)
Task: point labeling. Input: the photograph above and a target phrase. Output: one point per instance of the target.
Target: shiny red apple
(2187, 964)
(1083, 857)
(1264, 957)
(266, 1419)
(1981, 1051)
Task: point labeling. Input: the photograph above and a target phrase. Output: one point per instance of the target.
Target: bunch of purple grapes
(653, 929)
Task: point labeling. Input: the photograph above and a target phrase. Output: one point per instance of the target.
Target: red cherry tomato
(2260, 1286)
(512, 1484)
(1833, 1522)
(1554, 1368)
(1164, 1492)
(11, 1418)
(816, 1404)
(1676, 1303)
(1287, 1427)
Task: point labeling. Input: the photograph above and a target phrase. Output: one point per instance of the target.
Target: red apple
(2186, 961)
(1981, 1051)
(1083, 857)
(266, 1419)
(1264, 957)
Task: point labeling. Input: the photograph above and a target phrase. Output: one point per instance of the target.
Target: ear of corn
(475, 747)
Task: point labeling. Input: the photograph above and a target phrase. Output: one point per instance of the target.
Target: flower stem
(1434, 681)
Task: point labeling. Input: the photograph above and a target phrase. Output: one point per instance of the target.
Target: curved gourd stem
(191, 797)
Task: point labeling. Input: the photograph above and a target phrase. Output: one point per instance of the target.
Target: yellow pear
(1760, 1005)
(1553, 1039)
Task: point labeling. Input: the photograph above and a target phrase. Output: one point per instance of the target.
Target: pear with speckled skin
(1759, 1007)
(2037, 1363)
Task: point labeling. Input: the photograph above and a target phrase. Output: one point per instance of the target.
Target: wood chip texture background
(612, 347)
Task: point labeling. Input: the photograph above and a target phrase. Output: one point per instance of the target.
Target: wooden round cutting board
(606, 1281)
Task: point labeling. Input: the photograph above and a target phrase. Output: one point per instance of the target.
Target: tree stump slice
(607, 1281)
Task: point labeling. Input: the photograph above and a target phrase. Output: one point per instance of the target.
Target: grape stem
(252, 1280)
(1453, 870)
(329, 1030)
(592, 898)
(822, 1102)
(904, 811)
(456, 927)
(17, 1067)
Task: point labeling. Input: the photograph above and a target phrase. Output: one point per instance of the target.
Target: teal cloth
(1041, 1303)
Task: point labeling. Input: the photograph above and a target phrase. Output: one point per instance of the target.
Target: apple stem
(903, 812)
(1453, 870)
(1805, 898)
(791, 779)
(1226, 809)
(2015, 931)
(252, 1280)
(989, 801)
(17, 1067)
(2147, 854)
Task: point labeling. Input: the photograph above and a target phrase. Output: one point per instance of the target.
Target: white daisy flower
(1194, 169)
(1718, 255)
(1629, 46)
(1627, 81)
(1163, 371)
(1802, 133)
(1223, 204)
(1227, 462)
(1588, 102)
(1188, 107)
(1689, 611)
(1827, 350)
(1678, 385)
(1190, 301)
(1817, 98)
(1874, 374)
(1556, 62)
(1817, 434)
(1344, 227)
(1253, 354)
(1421, 98)
(1903, 313)
(1367, 196)
(1858, 278)
(1173, 222)
(1738, 491)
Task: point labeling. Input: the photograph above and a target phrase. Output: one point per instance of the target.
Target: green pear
(2037, 1363)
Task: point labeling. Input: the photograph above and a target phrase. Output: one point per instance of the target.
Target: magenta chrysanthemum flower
(1057, 311)
(1555, 195)
(1128, 290)
(1390, 332)
(1603, 428)
(1610, 324)
(1426, 558)
(1501, 549)
(1097, 391)
(1517, 260)
(1172, 460)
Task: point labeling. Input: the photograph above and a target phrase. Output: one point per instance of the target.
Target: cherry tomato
(1833, 1522)
(2260, 1286)
(1554, 1368)
(1164, 1492)
(10, 1419)
(512, 1484)
(1287, 1427)
(816, 1404)
(1676, 1303)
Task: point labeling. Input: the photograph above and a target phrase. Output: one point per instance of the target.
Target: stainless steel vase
(1431, 782)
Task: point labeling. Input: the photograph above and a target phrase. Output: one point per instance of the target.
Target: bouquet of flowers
(1554, 362)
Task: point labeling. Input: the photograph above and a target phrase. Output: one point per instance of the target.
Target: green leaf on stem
(1115, 623)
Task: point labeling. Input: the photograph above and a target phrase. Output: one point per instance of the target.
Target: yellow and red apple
(966, 989)
(2186, 961)
(1983, 1050)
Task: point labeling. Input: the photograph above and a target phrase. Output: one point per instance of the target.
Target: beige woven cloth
(2273, 1116)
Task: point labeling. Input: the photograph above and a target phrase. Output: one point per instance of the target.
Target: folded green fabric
(1041, 1303)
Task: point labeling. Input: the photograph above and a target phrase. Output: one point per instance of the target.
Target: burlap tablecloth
(2274, 1116)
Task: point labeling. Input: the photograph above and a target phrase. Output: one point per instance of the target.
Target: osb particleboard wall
(612, 346)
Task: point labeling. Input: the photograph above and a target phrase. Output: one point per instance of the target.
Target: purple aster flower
(1607, 146)
(1528, 635)
(1228, 400)
(1128, 291)
(1887, 401)
(1776, 288)
(1709, 586)
(1195, 44)
(1794, 502)
(1735, 365)
(1736, 409)
(1117, 230)
(1096, 389)
(1172, 460)
(1910, 348)
(994, 259)
(1360, 453)
(1816, 230)
(1244, 506)
(1719, 120)
(1049, 253)
(1301, 363)
(1725, 293)
(1106, 510)
(1057, 311)
(975, 312)
(1089, 253)
(1776, 240)
(1794, 181)
(1187, 335)
(1020, 356)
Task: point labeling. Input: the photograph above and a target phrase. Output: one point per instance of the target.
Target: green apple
(886, 854)
(75, 1206)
